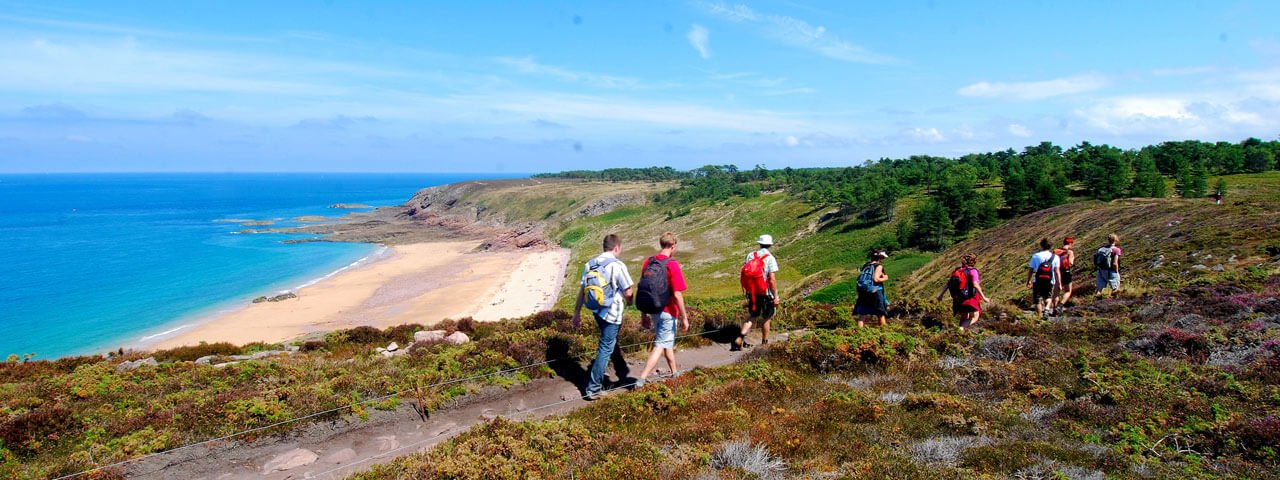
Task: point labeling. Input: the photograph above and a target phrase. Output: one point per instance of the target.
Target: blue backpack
(867, 280)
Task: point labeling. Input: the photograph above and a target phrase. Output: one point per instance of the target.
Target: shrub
(850, 349)
(753, 459)
(193, 352)
(944, 450)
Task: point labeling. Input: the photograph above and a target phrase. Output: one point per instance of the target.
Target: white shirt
(1044, 256)
(617, 275)
(770, 262)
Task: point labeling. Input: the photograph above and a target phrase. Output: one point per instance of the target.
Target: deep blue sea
(92, 262)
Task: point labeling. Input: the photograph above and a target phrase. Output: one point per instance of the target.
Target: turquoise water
(92, 262)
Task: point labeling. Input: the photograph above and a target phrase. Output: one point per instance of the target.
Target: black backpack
(654, 291)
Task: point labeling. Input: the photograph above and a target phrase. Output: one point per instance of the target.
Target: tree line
(960, 194)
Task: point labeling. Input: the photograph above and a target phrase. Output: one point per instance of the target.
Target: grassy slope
(1174, 228)
(1177, 378)
(814, 246)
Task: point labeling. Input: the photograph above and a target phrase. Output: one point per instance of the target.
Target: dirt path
(338, 448)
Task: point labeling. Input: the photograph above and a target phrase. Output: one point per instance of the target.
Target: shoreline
(414, 283)
(216, 311)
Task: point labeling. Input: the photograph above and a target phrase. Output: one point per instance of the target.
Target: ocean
(93, 262)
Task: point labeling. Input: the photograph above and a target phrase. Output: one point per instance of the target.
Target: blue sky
(543, 86)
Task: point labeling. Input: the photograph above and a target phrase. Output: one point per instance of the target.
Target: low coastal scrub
(1123, 394)
(68, 415)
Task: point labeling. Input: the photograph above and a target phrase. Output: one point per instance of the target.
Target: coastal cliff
(504, 214)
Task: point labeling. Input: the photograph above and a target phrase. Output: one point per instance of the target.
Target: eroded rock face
(290, 460)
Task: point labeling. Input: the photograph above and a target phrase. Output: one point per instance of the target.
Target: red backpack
(1045, 270)
(959, 285)
(752, 278)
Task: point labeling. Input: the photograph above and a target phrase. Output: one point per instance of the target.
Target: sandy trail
(419, 283)
(347, 446)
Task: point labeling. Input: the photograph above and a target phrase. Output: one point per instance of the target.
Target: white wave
(377, 254)
(164, 333)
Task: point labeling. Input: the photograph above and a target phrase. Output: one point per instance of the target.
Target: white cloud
(798, 33)
(700, 38)
(1213, 114)
(1019, 130)
(791, 141)
(1035, 90)
(925, 135)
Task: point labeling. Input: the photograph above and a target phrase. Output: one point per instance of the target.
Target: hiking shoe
(675, 374)
(737, 344)
(746, 345)
(639, 384)
(764, 341)
(591, 396)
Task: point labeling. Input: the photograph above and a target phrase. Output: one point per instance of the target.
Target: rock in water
(457, 338)
(289, 460)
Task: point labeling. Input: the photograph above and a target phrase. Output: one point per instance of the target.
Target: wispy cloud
(798, 33)
(1037, 90)
(700, 38)
(670, 115)
(530, 66)
(1183, 71)
(544, 123)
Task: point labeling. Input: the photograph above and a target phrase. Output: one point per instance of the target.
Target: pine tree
(1015, 187)
(1106, 175)
(1258, 159)
(931, 229)
(1193, 180)
(1147, 181)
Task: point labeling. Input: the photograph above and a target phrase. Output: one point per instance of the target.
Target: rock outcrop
(276, 298)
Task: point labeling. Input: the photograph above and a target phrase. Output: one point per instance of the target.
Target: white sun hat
(765, 239)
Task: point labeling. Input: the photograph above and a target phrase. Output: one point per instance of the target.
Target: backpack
(1066, 259)
(598, 291)
(1045, 270)
(867, 279)
(752, 277)
(960, 286)
(1102, 258)
(654, 290)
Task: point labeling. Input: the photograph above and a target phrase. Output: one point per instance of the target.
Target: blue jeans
(605, 352)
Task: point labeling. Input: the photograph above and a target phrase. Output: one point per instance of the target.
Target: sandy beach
(418, 283)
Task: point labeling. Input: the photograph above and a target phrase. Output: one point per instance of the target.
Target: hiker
(1042, 276)
(1217, 197)
(760, 284)
(1067, 260)
(965, 287)
(872, 301)
(1107, 262)
(660, 298)
(605, 290)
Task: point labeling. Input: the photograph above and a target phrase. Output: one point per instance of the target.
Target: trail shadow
(565, 365)
(720, 334)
